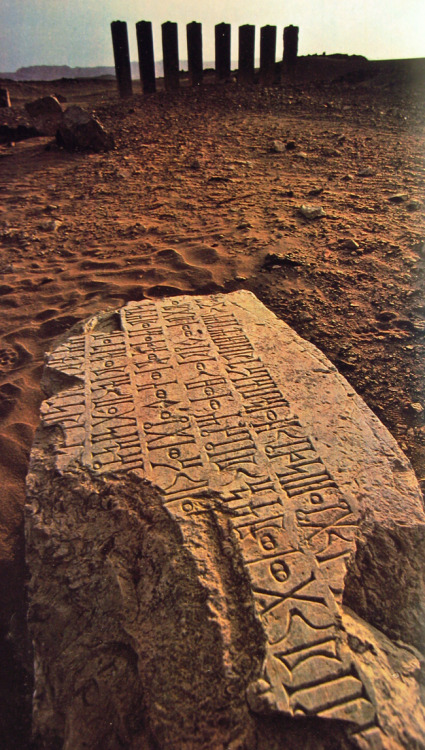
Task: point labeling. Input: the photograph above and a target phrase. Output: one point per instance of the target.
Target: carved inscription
(180, 396)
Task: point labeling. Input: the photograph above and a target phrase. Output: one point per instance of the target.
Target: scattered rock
(275, 260)
(315, 191)
(398, 198)
(80, 131)
(290, 145)
(312, 212)
(366, 172)
(278, 147)
(349, 244)
(330, 152)
(416, 407)
(47, 105)
(46, 114)
(414, 205)
(5, 98)
(301, 155)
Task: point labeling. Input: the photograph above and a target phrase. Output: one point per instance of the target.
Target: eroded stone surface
(265, 464)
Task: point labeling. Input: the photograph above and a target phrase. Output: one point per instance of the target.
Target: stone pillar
(246, 53)
(290, 47)
(267, 54)
(170, 53)
(222, 51)
(146, 56)
(4, 98)
(194, 52)
(121, 57)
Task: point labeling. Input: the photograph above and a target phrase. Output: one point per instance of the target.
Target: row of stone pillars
(194, 53)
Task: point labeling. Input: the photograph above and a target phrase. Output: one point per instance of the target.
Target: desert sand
(203, 193)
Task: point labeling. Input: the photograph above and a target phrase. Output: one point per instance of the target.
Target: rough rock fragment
(78, 130)
(46, 113)
(312, 212)
(201, 482)
(47, 105)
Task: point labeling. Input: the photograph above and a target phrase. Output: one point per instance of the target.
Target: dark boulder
(81, 131)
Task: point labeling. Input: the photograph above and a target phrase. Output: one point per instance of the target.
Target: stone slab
(228, 413)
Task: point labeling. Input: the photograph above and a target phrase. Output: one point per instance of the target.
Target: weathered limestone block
(206, 495)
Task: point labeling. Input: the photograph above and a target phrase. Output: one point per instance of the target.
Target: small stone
(398, 198)
(278, 147)
(417, 407)
(366, 172)
(329, 152)
(315, 191)
(290, 145)
(312, 212)
(414, 205)
(301, 155)
(350, 244)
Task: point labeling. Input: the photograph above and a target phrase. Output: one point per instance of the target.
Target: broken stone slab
(78, 130)
(206, 496)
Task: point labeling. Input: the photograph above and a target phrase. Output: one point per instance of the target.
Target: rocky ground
(204, 191)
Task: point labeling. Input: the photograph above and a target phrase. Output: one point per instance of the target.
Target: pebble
(350, 244)
(398, 198)
(417, 407)
(414, 205)
(366, 172)
(312, 212)
(278, 147)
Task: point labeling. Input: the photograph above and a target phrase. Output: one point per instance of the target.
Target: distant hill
(54, 72)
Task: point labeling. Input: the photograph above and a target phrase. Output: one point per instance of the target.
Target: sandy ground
(196, 198)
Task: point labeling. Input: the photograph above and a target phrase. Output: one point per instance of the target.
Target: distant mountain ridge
(54, 72)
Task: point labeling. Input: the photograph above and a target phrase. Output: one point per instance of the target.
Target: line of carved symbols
(294, 593)
(181, 396)
(68, 409)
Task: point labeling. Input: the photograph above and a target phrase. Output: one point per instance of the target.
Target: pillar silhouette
(222, 51)
(267, 54)
(146, 56)
(194, 52)
(170, 53)
(290, 47)
(121, 57)
(246, 53)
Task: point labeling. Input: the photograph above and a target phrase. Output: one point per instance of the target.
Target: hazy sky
(77, 32)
